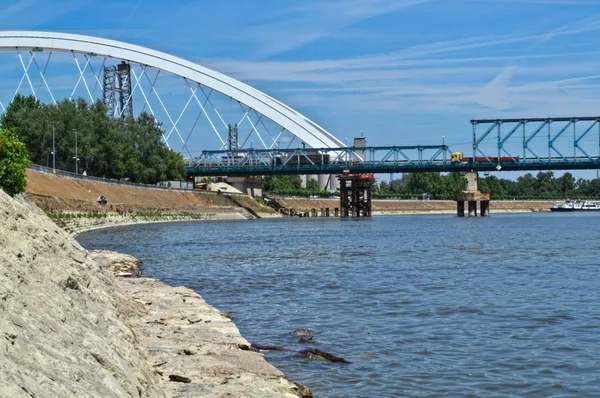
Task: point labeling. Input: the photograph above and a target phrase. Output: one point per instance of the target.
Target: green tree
(282, 183)
(397, 186)
(384, 187)
(525, 185)
(453, 183)
(544, 183)
(566, 184)
(106, 147)
(312, 185)
(492, 185)
(14, 161)
(25, 116)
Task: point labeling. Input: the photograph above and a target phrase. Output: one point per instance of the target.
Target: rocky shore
(70, 328)
(192, 343)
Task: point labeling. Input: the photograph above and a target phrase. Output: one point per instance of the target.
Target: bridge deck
(368, 160)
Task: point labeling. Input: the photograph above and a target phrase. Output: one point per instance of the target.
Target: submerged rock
(319, 355)
(267, 347)
(303, 332)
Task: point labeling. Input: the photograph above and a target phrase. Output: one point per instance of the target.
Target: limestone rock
(118, 263)
(68, 328)
(61, 330)
(188, 338)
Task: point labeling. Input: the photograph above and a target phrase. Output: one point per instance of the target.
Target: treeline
(106, 147)
(291, 185)
(433, 185)
(543, 186)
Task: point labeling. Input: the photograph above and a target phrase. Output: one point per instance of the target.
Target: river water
(421, 305)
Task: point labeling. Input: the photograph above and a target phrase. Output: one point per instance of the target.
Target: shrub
(14, 161)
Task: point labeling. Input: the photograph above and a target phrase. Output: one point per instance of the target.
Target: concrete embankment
(381, 207)
(69, 328)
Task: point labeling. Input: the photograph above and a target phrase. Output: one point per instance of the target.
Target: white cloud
(317, 20)
(496, 93)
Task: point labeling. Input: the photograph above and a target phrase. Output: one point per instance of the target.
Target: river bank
(189, 340)
(390, 207)
(72, 204)
(72, 329)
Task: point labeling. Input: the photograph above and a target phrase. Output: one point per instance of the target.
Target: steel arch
(297, 124)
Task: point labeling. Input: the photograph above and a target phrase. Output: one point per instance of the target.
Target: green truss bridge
(571, 143)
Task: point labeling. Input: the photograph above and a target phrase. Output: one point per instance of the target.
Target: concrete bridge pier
(472, 208)
(460, 208)
(472, 196)
(485, 208)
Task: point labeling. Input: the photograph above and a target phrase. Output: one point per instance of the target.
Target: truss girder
(555, 129)
(405, 159)
(319, 161)
(294, 122)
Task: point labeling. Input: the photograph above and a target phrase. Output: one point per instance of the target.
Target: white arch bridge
(195, 104)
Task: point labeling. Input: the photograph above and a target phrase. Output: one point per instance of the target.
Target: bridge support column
(485, 208)
(472, 196)
(355, 195)
(472, 208)
(327, 212)
(460, 208)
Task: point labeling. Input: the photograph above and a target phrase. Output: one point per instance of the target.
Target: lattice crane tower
(116, 91)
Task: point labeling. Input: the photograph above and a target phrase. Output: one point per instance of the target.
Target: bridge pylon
(472, 196)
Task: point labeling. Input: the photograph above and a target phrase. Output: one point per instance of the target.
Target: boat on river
(577, 205)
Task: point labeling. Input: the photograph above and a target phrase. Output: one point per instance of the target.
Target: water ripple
(421, 306)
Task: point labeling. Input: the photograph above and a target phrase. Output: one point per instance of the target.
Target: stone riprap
(69, 330)
(187, 338)
(62, 318)
(119, 264)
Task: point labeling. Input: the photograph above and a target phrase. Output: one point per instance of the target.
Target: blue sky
(401, 71)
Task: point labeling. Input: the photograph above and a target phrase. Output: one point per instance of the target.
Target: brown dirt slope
(56, 193)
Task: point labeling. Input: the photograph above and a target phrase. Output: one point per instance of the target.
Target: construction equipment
(202, 184)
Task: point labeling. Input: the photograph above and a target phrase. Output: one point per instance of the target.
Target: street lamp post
(76, 155)
(53, 151)
(443, 147)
